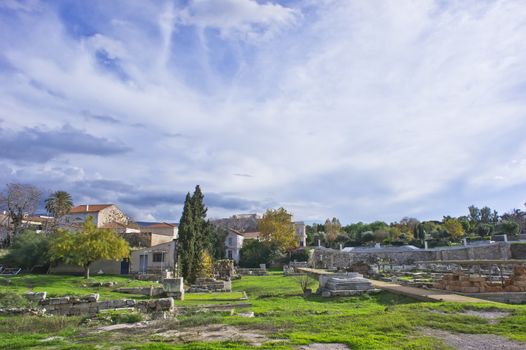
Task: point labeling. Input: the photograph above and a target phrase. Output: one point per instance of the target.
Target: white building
(160, 232)
(102, 214)
(300, 228)
(234, 242)
(154, 259)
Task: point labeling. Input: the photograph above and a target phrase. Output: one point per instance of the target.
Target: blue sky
(363, 110)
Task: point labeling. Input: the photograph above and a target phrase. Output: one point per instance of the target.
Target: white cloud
(241, 19)
(363, 110)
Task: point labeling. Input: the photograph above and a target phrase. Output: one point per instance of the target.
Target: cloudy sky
(362, 110)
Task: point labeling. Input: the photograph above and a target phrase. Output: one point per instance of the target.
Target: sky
(362, 110)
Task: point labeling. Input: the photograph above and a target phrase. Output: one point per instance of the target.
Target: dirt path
(461, 341)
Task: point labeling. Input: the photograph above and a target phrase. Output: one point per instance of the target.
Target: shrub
(30, 249)
(255, 253)
(299, 255)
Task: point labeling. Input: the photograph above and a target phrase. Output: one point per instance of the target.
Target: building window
(158, 257)
(229, 254)
(301, 243)
(230, 240)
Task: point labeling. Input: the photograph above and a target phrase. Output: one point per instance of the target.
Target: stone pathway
(425, 294)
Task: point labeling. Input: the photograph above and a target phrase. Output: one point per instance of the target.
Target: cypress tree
(203, 229)
(187, 241)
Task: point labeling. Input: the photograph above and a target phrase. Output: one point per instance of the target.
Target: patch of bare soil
(491, 316)
(324, 346)
(213, 333)
(461, 341)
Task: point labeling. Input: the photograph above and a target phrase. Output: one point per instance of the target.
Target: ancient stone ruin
(207, 285)
(90, 304)
(344, 284)
(224, 270)
(172, 287)
(464, 283)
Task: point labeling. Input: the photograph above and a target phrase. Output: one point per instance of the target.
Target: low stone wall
(460, 282)
(518, 250)
(90, 305)
(331, 258)
(507, 298)
(251, 271)
(149, 291)
(207, 285)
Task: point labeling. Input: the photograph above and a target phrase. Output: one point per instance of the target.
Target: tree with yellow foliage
(277, 227)
(454, 228)
(88, 245)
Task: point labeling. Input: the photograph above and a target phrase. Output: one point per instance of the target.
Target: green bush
(299, 255)
(29, 249)
(255, 252)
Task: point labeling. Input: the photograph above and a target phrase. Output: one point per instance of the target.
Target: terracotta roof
(161, 225)
(89, 208)
(250, 235)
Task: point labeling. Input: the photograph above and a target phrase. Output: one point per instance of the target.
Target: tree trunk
(86, 272)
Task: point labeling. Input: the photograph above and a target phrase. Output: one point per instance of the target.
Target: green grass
(381, 321)
(59, 285)
(194, 299)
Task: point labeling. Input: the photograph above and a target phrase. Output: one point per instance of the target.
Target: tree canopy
(276, 226)
(88, 245)
(195, 236)
(59, 204)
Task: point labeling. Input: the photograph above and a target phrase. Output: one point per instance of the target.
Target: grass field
(282, 315)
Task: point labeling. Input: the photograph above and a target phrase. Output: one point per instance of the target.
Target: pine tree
(187, 241)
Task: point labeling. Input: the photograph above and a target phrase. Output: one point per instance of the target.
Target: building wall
(111, 214)
(233, 243)
(167, 264)
(78, 218)
(301, 233)
(108, 267)
(157, 239)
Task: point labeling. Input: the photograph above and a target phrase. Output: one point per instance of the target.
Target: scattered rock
(492, 316)
(249, 314)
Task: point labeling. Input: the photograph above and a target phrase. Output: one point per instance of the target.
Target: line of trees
(479, 223)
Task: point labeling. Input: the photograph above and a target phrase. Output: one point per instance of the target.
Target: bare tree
(19, 200)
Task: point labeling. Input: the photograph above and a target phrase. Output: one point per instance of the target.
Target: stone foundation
(207, 285)
(148, 291)
(344, 284)
(460, 282)
(90, 304)
(251, 271)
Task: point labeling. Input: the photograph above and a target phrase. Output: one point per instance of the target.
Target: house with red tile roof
(102, 214)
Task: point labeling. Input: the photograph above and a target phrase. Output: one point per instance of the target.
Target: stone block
(36, 296)
(174, 285)
(58, 301)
